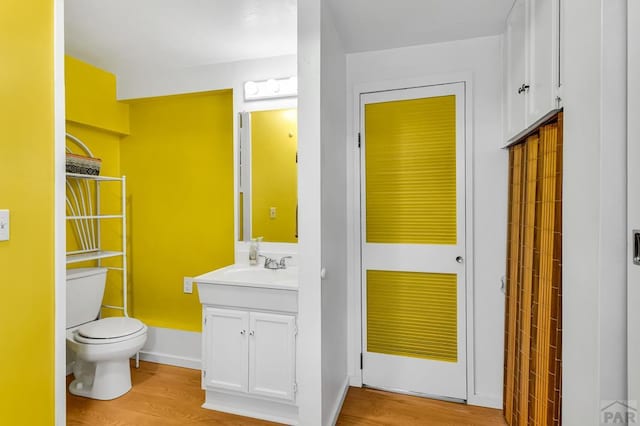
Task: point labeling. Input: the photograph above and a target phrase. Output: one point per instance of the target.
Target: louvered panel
(544, 348)
(531, 152)
(412, 314)
(533, 326)
(516, 188)
(410, 154)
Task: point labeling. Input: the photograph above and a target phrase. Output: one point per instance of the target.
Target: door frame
(354, 225)
(633, 201)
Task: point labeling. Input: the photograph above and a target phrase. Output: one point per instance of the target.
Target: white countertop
(245, 275)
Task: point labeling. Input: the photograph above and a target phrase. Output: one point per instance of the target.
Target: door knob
(523, 88)
(459, 259)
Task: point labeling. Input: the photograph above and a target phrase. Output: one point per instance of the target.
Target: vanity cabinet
(249, 352)
(532, 64)
(249, 341)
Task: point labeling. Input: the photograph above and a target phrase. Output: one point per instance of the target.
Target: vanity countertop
(245, 275)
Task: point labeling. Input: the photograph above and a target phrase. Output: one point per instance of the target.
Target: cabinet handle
(243, 332)
(523, 88)
(251, 333)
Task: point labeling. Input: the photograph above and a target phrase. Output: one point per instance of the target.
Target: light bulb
(251, 88)
(273, 86)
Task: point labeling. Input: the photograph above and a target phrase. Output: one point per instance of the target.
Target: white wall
(334, 219)
(309, 350)
(594, 205)
(481, 57)
(613, 224)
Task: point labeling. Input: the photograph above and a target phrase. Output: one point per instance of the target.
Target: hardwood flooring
(166, 395)
(161, 395)
(372, 407)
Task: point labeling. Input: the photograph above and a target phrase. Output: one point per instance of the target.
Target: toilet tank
(85, 288)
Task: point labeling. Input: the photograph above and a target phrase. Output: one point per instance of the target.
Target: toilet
(101, 347)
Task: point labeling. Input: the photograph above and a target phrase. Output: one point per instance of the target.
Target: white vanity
(249, 341)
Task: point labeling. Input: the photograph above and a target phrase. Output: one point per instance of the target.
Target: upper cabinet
(532, 64)
(515, 75)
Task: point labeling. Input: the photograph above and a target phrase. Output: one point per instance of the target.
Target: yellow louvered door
(413, 240)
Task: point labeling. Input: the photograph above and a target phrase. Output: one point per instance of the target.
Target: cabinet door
(543, 27)
(226, 345)
(272, 355)
(514, 49)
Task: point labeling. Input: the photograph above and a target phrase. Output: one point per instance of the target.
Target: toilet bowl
(102, 351)
(102, 348)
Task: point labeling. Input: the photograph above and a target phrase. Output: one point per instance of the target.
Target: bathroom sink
(252, 276)
(250, 287)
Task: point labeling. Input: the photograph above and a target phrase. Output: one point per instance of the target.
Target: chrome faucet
(270, 263)
(283, 264)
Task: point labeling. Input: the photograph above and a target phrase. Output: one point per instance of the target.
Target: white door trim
(354, 221)
(633, 201)
(60, 222)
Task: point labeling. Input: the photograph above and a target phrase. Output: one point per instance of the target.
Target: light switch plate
(272, 212)
(4, 225)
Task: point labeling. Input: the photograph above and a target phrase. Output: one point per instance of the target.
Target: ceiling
(123, 35)
(382, 24)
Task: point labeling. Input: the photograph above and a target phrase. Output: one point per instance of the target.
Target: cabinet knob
(243, 332)
(251, 333)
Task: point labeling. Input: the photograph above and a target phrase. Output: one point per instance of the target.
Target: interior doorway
(413, 240)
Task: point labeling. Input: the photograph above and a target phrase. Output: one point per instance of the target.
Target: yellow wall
(179, 164)
(26, 188)
(92, 111)
(274, 176)
(91, 97)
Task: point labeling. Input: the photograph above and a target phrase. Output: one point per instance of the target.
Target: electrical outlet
(4, 225)
(272, 212)
(188, 285)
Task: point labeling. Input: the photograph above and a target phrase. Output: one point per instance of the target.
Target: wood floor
(372, 407)
(165, 395)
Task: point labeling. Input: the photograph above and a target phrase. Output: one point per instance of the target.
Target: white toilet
(102, 348)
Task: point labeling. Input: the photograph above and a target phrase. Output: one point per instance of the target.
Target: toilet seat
(110, 330)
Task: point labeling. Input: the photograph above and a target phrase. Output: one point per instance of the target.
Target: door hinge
(295, 387)
(240, 119)
(359, 140)
(361, 361)
(205, 320)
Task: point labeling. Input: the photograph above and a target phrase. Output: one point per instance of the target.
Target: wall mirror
(268, 176)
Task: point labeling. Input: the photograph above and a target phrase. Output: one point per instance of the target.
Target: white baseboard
(173, 347)
(251, 406)
(355, 381)
(337, 407)
(489, 401)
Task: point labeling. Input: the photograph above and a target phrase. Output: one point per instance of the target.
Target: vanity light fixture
(270, 89)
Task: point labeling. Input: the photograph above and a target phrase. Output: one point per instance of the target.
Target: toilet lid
(109, 328)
